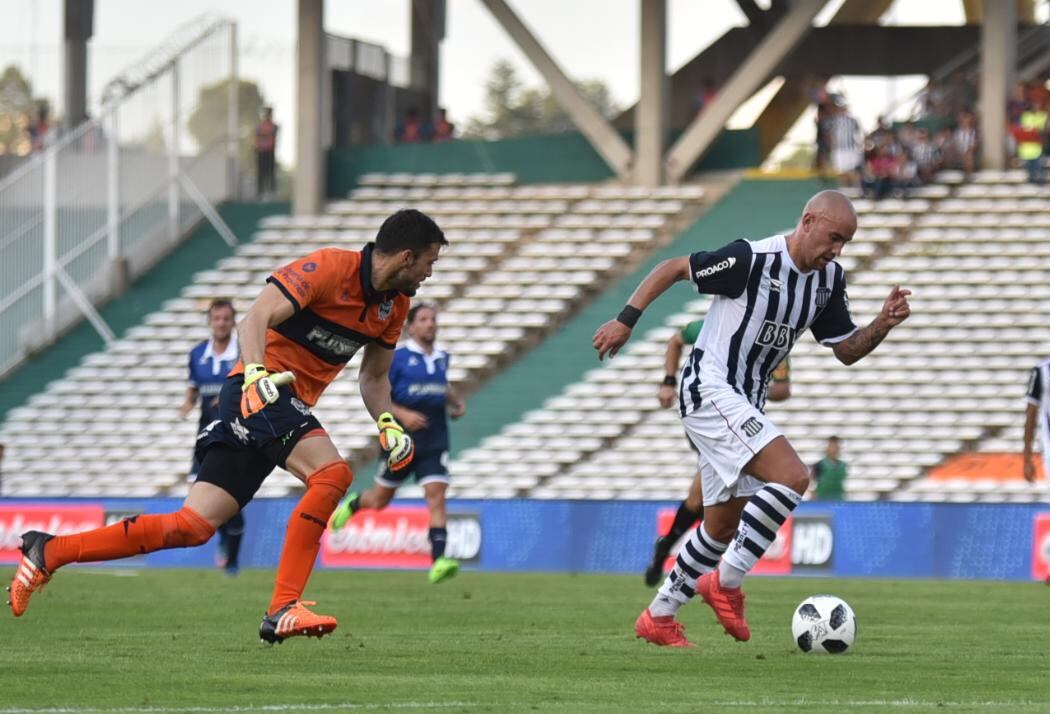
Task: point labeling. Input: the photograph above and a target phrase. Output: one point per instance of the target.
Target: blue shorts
(250, 447)
(426, 467)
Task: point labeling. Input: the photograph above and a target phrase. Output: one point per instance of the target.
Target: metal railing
(104, 202)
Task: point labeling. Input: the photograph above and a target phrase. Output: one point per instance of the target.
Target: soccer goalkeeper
(306, 324)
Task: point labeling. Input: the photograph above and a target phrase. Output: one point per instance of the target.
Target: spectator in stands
(1031, 138)
(925, 156)
(965, 143)
(423, 401)
(210, 362)
(1016, 105)
(829, 474)
(933, 97)
(410, 129)
(692, 508)
(265, 160)
(40, 128)
(882, 168)
(823, 150)
(705, 95)
(846, 143)
(443, 128)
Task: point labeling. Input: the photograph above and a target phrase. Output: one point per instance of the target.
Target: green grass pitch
(185, 640)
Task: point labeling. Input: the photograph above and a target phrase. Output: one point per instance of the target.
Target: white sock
(699, 555)
(763, 515)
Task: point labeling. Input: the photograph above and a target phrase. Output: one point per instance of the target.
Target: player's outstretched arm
(611, 336)
(373, 379)
(269, 309)
(895, 310)
(666, 393)
(1030, 417)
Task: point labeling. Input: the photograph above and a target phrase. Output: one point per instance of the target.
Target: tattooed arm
(894, 311)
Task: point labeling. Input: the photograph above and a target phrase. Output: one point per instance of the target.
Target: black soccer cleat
(655, 572)
(294, 620)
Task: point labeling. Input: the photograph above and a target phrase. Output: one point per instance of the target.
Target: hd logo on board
(804, 544)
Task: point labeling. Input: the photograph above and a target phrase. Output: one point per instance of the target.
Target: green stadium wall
(558, 158)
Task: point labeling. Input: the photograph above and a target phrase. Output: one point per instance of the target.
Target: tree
(18, 108)
(512, 109)
(208, 122)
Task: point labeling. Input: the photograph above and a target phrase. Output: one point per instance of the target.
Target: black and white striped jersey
(762, 303)
(1039, 395)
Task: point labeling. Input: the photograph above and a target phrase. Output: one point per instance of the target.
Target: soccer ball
(824, 623)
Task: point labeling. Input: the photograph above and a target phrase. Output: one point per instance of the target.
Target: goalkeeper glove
(260, 388)
(398, 445)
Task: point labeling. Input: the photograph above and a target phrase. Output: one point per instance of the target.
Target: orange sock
(324, 488)
(132, 536)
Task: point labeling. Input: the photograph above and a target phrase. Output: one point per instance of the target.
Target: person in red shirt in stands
(265, 162)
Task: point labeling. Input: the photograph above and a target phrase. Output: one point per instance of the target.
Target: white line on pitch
(344, 706)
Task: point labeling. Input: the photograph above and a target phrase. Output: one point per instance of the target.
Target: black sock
(234, 532)
(683, 521)
(438, 537)
(355, 504)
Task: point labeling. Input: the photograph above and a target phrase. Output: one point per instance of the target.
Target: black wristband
(629, 315)
(670, 381)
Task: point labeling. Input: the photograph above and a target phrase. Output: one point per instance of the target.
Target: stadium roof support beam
(793, 98)
(309, 71)
(427, 23)
(974, 11)
(650, 121)
(79, 21)
(700, 134)
(594, 127)
(998, 65)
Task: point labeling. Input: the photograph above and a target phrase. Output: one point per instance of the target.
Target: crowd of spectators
(411, 129)
(943, 135)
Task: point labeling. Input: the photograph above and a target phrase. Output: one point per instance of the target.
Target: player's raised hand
(393, 439)
(261, 388)
(896, 309)
(610, 337)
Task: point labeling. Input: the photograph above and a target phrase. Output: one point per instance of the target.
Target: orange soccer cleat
(294, 620)
(662, 631)
(31, 574)
(727, 603)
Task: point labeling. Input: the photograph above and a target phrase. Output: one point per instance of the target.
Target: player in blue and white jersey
(422, 401)
(767, 293)
(210, 362)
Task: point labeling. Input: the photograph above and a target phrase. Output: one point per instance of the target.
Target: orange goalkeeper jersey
(337, 311)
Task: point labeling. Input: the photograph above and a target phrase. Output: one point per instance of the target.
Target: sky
(125, 30)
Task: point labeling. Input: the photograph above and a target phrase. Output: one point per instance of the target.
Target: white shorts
(728, 432)
(846, 161)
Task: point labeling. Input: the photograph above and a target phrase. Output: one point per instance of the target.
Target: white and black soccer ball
(824, 623)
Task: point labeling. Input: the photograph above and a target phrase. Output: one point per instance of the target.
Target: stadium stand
(523, 259)
(949, 380)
